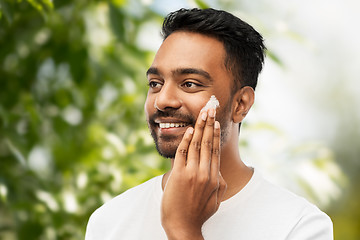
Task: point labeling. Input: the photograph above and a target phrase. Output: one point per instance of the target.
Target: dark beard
(166, 150)
(171, 154)
(165, 154)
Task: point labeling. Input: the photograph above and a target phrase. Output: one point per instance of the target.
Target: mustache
(173, 114)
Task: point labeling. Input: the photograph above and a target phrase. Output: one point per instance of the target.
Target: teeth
(171, 125)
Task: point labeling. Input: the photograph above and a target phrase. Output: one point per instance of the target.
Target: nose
(167, 98)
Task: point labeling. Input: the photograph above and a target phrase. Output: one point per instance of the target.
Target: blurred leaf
(72, 92)
(119, 3)
(18, 155)
(201, 4)
(117, 20)
(6, 8)
(275, 58)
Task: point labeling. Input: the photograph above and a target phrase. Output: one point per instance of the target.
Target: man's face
(187, 69)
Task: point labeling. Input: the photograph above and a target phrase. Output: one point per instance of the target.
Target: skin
(206, 169)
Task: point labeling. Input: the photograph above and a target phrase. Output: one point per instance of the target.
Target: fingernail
(190, 130)
(217, 125)
(204, 116)
(212, 112)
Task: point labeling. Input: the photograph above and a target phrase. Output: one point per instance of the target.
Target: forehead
(186, 49)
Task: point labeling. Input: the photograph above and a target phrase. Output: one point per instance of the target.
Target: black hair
(244, 46)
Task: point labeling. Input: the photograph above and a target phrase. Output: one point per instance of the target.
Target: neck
(235, 173)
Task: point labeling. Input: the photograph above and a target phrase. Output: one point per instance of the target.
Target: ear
(242, 102)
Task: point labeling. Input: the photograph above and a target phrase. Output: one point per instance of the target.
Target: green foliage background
(51, 70)
(72, 126)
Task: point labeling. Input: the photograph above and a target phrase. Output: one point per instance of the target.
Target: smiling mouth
(172, 125)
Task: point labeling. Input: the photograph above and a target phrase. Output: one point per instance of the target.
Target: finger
(215, 157)
(211, 203)
(195, 144)
(207, 143)
(222, 190)
(182, 150)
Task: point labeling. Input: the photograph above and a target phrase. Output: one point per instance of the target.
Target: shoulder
(262, 210)
(280, 199)
(124, 206)
(313, 224)
(131, 196)
(304, 219)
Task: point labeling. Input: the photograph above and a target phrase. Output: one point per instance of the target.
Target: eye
(154, 85)
(190, 85)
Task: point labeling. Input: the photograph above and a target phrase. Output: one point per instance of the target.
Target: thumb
(222, 189)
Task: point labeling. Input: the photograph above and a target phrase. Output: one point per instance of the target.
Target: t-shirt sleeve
(88, 234)
(92, 227)
(312, 225)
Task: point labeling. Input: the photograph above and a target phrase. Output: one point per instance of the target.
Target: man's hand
(195, 187)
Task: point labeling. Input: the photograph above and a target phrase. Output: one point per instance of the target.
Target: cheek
(196, 108)
(224, 100)
(148, 106)
(224, 112)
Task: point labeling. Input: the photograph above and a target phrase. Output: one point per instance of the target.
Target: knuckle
(216, 151)
(204, 178)
(207, 143)
(183, 151)
(210, 123)
(223, 184)
(225, 187)
(191, 177)
(196, 145)
(215, 183)
(200, 125)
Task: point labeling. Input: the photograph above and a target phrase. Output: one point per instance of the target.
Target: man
(209, 193)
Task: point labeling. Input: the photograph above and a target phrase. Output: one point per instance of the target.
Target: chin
(166, 145)
(167, 149)
(170, 155)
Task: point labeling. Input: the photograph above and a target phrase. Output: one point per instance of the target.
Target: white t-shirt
(259, 211)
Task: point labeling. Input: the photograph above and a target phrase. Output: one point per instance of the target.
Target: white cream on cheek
(212, 103)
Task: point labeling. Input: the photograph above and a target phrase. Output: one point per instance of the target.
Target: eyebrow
(152, 70)
(197, 71)
(182, 71)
